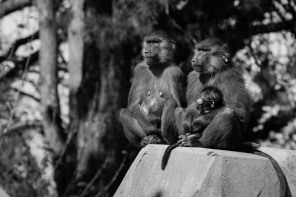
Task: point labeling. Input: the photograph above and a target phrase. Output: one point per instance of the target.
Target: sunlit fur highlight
(162, 45)
(219, 53)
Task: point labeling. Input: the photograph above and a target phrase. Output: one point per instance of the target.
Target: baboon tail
(280, 173)
(167, 154)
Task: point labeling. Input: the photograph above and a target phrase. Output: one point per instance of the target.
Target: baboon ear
(226, 54)
(212, 103)
(174, 45)
(225, 58)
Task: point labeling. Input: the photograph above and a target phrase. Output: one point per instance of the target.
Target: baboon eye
(153, 42)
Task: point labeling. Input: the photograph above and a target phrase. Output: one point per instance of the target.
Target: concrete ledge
(3, 193)
(206, 173)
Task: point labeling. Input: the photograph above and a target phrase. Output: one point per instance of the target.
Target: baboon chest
(153, 98)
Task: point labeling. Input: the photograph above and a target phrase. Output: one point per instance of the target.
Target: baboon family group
(211, 112)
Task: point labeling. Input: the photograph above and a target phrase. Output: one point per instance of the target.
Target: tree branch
(10, 6)
(26, 94)
(273, 27)
(20, 126)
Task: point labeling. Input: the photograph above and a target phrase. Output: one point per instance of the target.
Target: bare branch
(10, 6)
(273, 27)
(21, 126)
(26, 94)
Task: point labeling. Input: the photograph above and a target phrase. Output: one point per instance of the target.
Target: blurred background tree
(66, 68)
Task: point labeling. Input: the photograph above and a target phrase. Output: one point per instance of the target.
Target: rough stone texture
(207, 172)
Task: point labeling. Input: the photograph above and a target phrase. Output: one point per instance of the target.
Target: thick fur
(156, 91)
(212, 67)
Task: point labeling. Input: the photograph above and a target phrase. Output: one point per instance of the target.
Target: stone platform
(199, 172)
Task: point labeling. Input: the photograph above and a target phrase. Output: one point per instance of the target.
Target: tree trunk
(100, 145)
(76, 44)
(50, 106)
(48, 76)
(97, 92)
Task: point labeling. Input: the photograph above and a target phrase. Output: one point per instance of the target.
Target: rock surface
(203, 172)
(3, 193)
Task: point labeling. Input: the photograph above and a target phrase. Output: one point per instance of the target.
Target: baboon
(156, 91)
